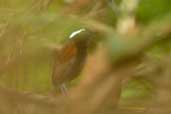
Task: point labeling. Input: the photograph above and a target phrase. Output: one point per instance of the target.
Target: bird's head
(82, 37)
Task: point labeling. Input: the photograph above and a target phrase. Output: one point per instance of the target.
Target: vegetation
(127, 68)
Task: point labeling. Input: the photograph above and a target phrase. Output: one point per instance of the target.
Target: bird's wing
(62, 70)
(63, 63)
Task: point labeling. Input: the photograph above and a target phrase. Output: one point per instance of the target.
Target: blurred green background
(30, 29)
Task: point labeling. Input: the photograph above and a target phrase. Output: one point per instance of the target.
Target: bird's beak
(73, 34)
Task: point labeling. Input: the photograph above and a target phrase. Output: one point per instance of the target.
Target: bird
(70, 59)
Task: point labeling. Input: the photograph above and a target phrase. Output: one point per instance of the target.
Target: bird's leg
(64, 89)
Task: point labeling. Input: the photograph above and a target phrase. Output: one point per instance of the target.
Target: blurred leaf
(151, 9)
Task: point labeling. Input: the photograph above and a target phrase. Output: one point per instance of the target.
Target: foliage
(31, 30)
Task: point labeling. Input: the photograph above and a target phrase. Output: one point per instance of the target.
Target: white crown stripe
(76, 32)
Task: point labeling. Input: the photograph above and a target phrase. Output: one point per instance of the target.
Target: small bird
(70, 60)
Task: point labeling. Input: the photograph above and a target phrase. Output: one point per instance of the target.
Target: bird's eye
(73, 34)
